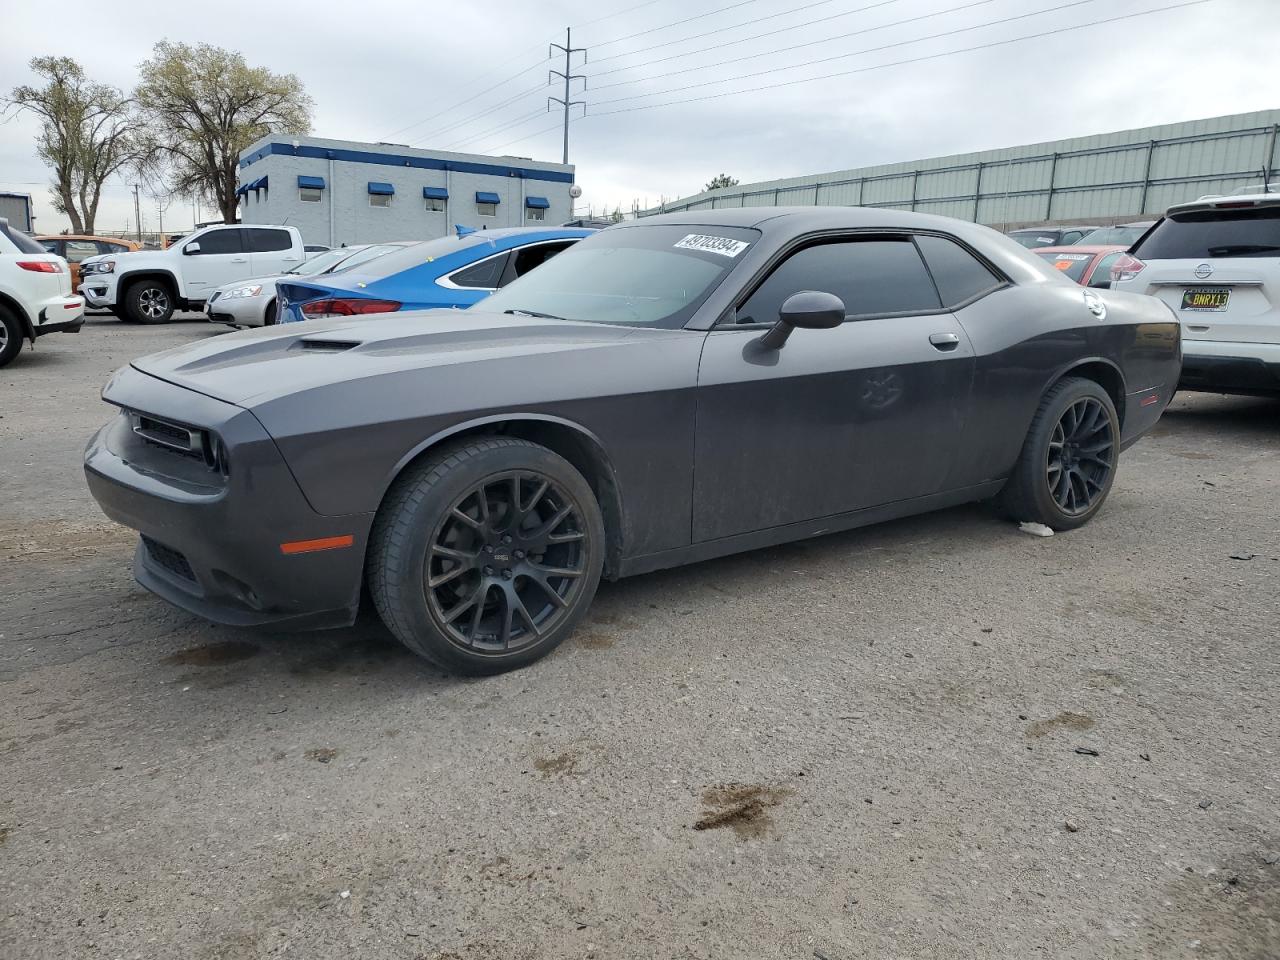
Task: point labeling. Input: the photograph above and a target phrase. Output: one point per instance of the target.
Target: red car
(1087, 265)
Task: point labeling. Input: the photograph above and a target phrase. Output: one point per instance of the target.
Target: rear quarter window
(958, 274)
(1210, 234)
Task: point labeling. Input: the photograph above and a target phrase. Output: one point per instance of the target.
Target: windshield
(1035, 238)
(363, 255)
(1203, 234)
(416, 254)
(652, 276)
(1120, 236)
(1072, 264)
(320, 262)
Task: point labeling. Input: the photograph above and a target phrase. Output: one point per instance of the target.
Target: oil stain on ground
(741, 807)
(595, 641)
(558, 765)
(213, 654)
(321, 754)
(1063, 721)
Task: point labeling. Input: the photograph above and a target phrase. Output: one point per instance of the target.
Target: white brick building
(340, 191)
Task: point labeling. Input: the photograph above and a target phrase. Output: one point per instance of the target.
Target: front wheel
(485, 557)
(149, 301)
(1068, 461)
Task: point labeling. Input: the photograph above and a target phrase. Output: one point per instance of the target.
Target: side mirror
(808, 309)
(190, 248)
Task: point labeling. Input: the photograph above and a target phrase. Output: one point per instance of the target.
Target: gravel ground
(863, 746)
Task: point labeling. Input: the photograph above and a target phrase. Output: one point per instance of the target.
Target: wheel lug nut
(488, 548)
(506, 538)
(506, 574)
(519, 554)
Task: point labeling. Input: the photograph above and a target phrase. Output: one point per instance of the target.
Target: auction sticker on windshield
(721, 245)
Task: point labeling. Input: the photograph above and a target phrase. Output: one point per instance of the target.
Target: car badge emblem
(1095, 305)
(1204, 271)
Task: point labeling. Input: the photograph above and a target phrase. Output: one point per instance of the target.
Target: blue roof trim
(536, 203)
(435, 193)
(394, 160)
(316, 183)
(381, 189)
(487, 196)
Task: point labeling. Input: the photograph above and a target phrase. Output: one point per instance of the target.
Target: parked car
(452, 271)
(1121, 234)
(252, 303)
(315, 247)
(1088, 266)
(1216, 263)
(1033, 237)
(148, 285)
(35, 293)
(75, 248)
(671, 389)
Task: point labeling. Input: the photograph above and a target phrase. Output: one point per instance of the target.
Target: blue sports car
(449, 272)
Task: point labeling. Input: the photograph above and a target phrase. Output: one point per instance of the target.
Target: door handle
(239, 259)
(945, 341)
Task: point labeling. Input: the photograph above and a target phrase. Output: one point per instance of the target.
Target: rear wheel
(270, 314)
(485, 557)
(1069, 459)
(10, 336)
(149, 301)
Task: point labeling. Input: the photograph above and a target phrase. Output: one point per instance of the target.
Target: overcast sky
(399, 71)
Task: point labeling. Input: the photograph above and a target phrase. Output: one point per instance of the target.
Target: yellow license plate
(1206, 299)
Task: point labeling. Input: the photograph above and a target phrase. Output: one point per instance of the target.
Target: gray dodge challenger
(671, 389)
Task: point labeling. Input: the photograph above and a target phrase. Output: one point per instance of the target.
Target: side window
(483, 275)
(219, 241)
(77, 250)
(1070, 237)
(105, 246)
(872, 277)
(1101, 276)
(50, 245)
(959, 275)
(522, 261)
(258, 240)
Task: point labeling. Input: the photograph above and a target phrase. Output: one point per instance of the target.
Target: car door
(270, 251)
(211, 259)
(837, 420)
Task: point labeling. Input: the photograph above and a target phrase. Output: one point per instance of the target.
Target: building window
(536, 214)
(379, 199)
(487, 209)
(435, 204)
(310, 195)
(487, 203)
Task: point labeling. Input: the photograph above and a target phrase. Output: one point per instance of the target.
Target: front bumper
(238, 311)
(212, 542)
(98, 292)
(1230, 367)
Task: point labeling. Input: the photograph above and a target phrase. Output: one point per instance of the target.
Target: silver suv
(1216, 263)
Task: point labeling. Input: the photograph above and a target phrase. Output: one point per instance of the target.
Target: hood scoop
(325, 346)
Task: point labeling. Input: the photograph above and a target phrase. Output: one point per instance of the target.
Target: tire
(149, 301)
(271, 313)
(449, 552)
(10, 336)
(1069, 459)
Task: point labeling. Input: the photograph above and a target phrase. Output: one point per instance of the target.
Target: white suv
(146, 286)
(35, 293)
(1216, 263)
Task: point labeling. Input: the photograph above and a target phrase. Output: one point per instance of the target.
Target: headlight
(250, 291)
(102, 266)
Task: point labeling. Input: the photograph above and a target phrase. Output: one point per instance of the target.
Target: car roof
(85, 236)
(1090, 248)
(1058, 229)
(1237, 202)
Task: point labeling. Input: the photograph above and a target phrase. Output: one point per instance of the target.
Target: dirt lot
(863, 746)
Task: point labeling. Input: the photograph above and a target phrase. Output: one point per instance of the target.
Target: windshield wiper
(534, 313)
(1231, 249)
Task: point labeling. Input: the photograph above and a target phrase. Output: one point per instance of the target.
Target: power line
(477, 96)
(472, 118)
(676, 23)
(774, 33)
(844, 56)
(610, 16)
(555, 126)
(499, 128)
(899, 63)
(734, 26)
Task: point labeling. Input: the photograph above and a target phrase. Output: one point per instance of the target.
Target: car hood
(257, 366)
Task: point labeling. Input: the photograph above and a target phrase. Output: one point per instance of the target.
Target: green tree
(202, 106)
(616, 216)
(721, 180)
(88, 132)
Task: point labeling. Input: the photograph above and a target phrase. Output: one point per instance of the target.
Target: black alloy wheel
(1081, 455)
(506, 562)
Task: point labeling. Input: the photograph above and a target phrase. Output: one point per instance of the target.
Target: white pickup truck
(146, 286)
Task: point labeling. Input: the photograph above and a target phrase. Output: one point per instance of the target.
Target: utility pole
(137, 212)
(568, 75)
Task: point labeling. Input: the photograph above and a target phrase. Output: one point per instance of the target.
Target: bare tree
(202, 106)
(87, 134)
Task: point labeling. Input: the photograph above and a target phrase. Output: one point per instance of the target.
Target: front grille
(171, 436)
(169, 559)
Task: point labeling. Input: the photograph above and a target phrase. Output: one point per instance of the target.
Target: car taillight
(41, 266)
(347, 308)
(1126, 268)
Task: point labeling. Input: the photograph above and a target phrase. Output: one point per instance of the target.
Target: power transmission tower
(568, 75)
